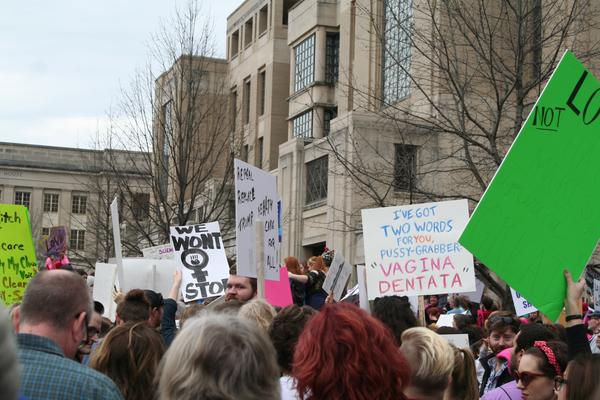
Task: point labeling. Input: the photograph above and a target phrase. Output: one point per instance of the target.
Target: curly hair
(344, 353)
(285, 330)
(396, 314)
(129, 355)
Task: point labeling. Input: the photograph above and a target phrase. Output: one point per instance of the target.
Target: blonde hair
(316, 263)
(431, 359)
(258, 311)
(464, 384)
(218, 356)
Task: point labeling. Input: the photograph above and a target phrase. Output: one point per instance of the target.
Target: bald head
(55, 298)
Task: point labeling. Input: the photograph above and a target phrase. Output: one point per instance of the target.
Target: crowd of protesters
(56, 344)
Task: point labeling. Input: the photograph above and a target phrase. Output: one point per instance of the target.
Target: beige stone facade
(66, 187)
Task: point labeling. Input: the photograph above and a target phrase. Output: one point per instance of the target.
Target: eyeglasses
(559, 381)
(527, 377)
(506, 320)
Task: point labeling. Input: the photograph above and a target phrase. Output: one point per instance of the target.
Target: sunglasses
(527, 377)
(559, 381)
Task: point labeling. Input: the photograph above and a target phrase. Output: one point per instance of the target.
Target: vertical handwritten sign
(539, 214)
(337, 276)
(522, 306)
(256, 199)
(17, 252)
(200, 253)
(413, 250)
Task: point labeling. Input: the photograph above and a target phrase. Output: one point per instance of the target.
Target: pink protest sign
(279, 293)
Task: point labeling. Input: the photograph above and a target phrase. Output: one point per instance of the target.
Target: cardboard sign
(17, 252)
(337, 276)
(522, 306)
(105, 278)
(596, 294)
(413, 250)
(114, 215)
(160, 252)
(539, 214)
(256, 199)
(475, 297)
(200, 253)
(460, 341)
(445, 320)
(148, 273)
(279, 293)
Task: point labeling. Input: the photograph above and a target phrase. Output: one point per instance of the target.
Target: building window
(46, 232)
(79, 204)
(248, 32)
(235, 44)
(23, 198)
(261, 92)
(50, 202)
(244, 155)
(396, 50)
(77, 240)
(246, 101)
(332, 57)
(304, 72)
(302, 125)
(141, 206)
(405, 167)
(316, 180)
(263, 19)
(260, 152)
(328, 115)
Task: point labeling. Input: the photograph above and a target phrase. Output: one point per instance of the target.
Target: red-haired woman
(345, 354)
(298, 288)
(314, 279)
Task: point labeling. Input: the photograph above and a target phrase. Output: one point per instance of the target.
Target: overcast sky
(62, 62)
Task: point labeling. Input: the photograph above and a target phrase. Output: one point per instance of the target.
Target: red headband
(543, 346)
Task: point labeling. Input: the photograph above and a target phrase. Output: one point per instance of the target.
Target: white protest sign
(414, 250)
(200, 253)
(160, 252)
(337, 276)
(475, 297)
(414, 304)
(445, 320)
(351, 292)
(256, 198)
(460, 341)
(114, 215)
(104, 284)
(596, 294)
(363, 296)
(522, 306)
(148, 273)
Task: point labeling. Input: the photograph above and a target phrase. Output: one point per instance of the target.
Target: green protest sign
(17, 252)
(540, 213)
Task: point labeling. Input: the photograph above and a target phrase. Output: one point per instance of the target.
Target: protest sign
(256, 199)
(105, 277)
(160, 252)
(538, 215)
(200, 253)
(445, 320)
(337, 276)
(114, 215)
(363, 296)
(475, 297)
(279, 293)
(413, 250)
(17, 252)
(522, 306)
(460, 341)
(148, 273)
(596, 294)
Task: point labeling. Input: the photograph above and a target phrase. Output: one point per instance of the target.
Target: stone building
(72, 188)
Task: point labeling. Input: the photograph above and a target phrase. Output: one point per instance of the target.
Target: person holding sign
(315, 295)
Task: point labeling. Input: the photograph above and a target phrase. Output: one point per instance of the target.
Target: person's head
(134, 307)
(433, 313)
(431, 359)
(240, 288)
(189, 312)
(94, 327)
(501, 328)
(129, 355)
(219, 357)
(316, 263)
(395, 313)
(457, 301)
(328, 256)
(344, 353)
(258, 311)
(293, 266)
(57, 305)
(488, 304)
(538, 368)
(156, 307)
(461, 321)
(433, 300)
(231, 307)
(593, 322)
(580, 379)
(9, 378)
(285, 330)
(463, 382)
